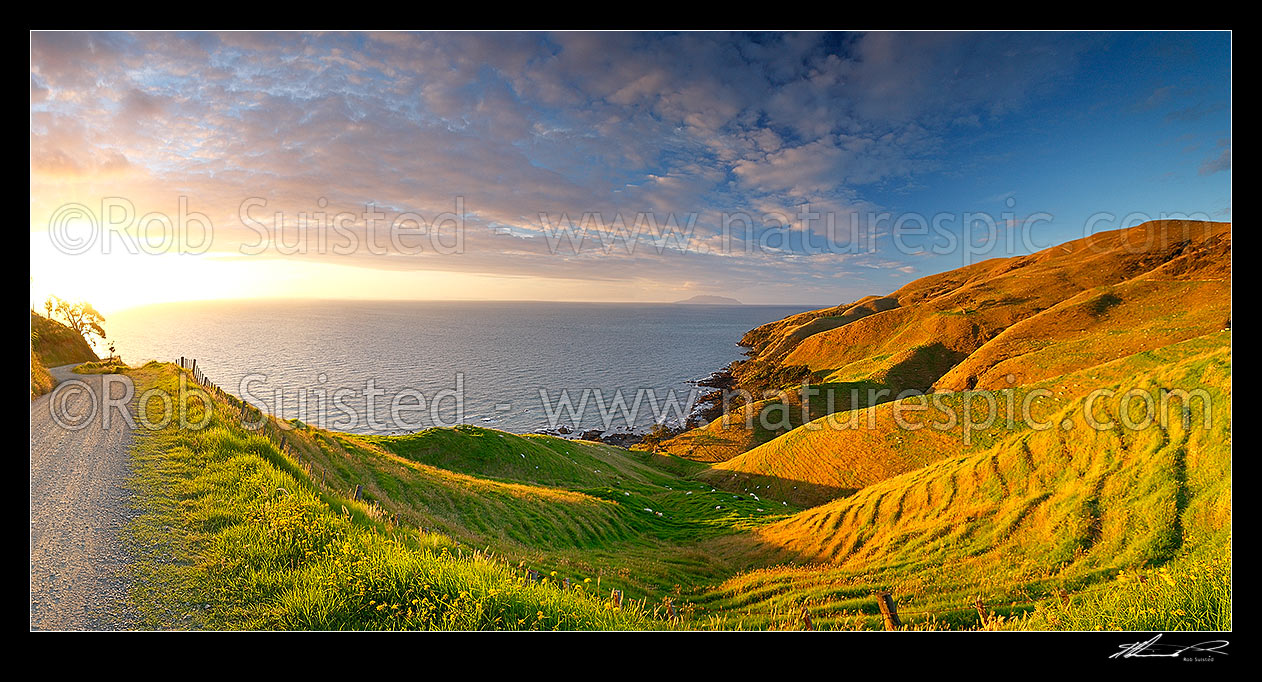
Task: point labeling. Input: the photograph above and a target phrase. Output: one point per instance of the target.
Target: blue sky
(1143, 125)
(1051, 135)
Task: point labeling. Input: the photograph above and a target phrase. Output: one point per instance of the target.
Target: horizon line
(809, 305)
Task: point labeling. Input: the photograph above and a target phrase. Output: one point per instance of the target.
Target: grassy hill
(53, 344)
(1038, 512)
(462, 503)
(554, 502)
(56, 344)
(1050, 522)
(991, 325)
(968, 308)
(260, 542)
(843, 452)
(1016, 519)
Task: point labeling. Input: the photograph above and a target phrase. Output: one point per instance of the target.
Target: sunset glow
(673, 331)
(518, 133)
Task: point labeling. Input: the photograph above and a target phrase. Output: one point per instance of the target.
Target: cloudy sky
(773, 168)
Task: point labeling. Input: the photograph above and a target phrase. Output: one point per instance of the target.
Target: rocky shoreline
(709, 406)
(623, 438)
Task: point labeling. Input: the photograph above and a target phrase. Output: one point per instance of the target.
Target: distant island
(709, 300)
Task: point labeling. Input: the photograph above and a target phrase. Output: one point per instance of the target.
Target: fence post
(982, 613)
(359, 491)
(889, 610)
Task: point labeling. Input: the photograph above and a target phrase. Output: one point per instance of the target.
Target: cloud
(518, 124)
(1216, 164)
(1195, 112)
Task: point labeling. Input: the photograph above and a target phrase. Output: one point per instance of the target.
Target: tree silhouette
(81, 317)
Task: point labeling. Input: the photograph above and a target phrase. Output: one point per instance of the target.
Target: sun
(120, 280)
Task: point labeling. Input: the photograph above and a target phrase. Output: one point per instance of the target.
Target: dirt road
(79, 509)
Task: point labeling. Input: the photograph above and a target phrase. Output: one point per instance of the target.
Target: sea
(391, 367)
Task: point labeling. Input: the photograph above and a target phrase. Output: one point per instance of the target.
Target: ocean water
(392, 367)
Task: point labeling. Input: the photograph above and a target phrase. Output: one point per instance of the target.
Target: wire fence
(278, 433)
(271, 428)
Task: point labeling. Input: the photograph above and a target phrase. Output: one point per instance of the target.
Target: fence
(888, 610)
(269, 427)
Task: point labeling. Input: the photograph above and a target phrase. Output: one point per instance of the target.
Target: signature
(1153, 649)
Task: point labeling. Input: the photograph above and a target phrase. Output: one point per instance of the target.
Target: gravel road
(79, 509)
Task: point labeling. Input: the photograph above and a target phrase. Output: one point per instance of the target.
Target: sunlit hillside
(998, 324)
(1035, 515)
(53, 344)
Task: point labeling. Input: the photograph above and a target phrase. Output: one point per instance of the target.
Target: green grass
(41, 381)
(995, 324)
(237, 534)
(1071, 528)
(1190, 593)
(535, 459)
(56, 344)
(234, 535)
(557, 504)
(1017, 523)
(53, 344)
(847, 451)
(114, 366)
(761, 421)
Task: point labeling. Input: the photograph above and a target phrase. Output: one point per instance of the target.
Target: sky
(794, 168)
